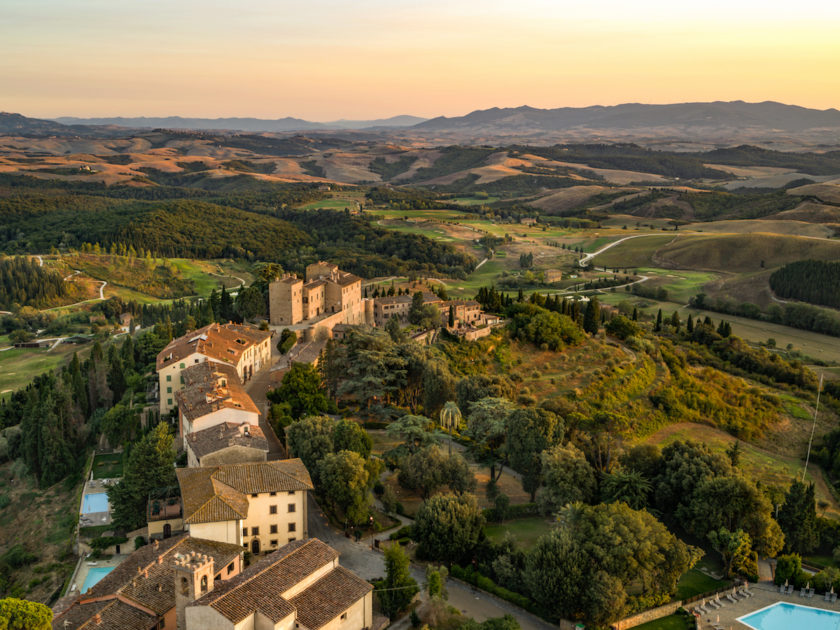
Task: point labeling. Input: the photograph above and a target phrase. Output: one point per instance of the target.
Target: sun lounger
(802, 592)
(731, 599)
(833, 598)
(790, 590)
(745, 592)
(826, 596)
(782, 588)
(810, 593)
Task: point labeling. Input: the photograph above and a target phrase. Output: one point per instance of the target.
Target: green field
(19, 366)
(526, 531)
(107, 466)
(695, 582)
(671, 622)
(334, 203)
(475, 201)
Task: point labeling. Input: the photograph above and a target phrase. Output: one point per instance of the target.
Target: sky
(364, 59)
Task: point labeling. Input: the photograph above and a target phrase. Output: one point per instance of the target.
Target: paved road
(369, 564)
(256, 388)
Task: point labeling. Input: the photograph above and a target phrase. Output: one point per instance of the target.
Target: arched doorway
(167, 530)
(255, 546)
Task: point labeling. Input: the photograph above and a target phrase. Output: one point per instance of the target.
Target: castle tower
(285, 301)
(193, 579)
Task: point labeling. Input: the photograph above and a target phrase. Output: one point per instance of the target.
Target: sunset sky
(329, 59)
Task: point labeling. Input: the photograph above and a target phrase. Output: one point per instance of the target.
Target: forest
(24, 283)
(814, 281)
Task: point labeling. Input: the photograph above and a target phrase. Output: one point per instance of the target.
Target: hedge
(475, 578)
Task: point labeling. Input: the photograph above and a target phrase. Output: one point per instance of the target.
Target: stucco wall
(223, 531)
(359, 616)
(648, 615)
(206, 618)
(259, 515)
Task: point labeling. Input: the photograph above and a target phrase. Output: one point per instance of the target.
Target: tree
(734, 453)
(735, 549)
(628, 486)
(450, 418)
(345, 482)
(448, 527)
(394, 330)
(301, 389)
(675, 321)
(581, 568)
(684, 466)
(798, 518)
(530, 432)
(621, 327)
(592, 316)
(436, 582)
(486, 426)
(311, 439)
(567, 478)
(415, 432)
(349, 436)
(150, 467)
(20, 614)
(398, 588)
(658, 325)
(430, 469)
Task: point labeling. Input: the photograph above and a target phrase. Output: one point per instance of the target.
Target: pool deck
(764, 594)
(85, 565)
(95, 486)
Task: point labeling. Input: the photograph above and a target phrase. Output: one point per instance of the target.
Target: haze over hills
(243, 124)
(769, 115)
(679, 126)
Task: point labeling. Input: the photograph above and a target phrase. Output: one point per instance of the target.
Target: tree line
(24, 283)
(814, 281)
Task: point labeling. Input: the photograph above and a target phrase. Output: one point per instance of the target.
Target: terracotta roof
(347, 278)
(220, 342)
(265, 585)
(330, 596)
(314, 284)
(209, 387)
(141, 588)
(219, 493)
(226, 435)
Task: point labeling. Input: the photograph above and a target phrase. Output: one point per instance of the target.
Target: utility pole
(813, 428)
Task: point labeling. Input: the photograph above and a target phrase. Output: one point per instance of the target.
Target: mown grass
(671, 622)
(107, 466)
(526, 531)
(19, 366)
(694, 582)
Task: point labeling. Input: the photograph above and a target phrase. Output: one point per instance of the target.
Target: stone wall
(648, 615)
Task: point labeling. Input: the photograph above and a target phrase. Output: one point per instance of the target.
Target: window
(292, 527)
(168, 401)
(272, 509)
(168, 390)
(343, 616)
(230, 568)
(273, 543)
(292, 507)
(182, 380)
(273, 529)
(203, 583)
(168, 377)
(292, 538)
(254, 495)
(291, 492)
(255, 531)
(182, 366)
(244, 531)
(245, 545)
(272, 494)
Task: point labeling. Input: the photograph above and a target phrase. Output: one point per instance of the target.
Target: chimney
(97, 619)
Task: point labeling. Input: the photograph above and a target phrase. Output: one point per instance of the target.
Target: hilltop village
(237, 496)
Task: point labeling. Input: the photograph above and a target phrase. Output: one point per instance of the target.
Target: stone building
(150, 589)
(245, 348)
(326, 291)
(228, 443)
(212, 396)
(260, 506)
(301, 585)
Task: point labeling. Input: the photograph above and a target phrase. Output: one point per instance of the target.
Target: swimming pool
(784, 616)
(96, 502)
(94, 575)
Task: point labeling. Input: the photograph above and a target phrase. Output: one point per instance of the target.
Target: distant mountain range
(768, 115)
(715, 124)
(243, 124)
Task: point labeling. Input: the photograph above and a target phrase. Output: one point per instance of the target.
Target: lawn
(474, 201)
(107, 466)
(526, 531)
(19, 366)
(671, 622)
(333, 203)
(695, 582)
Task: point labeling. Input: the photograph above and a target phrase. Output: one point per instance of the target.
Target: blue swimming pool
(784, 616)
(94, 575)
(96, 502)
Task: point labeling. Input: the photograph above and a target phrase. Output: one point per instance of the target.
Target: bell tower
(193, 579)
